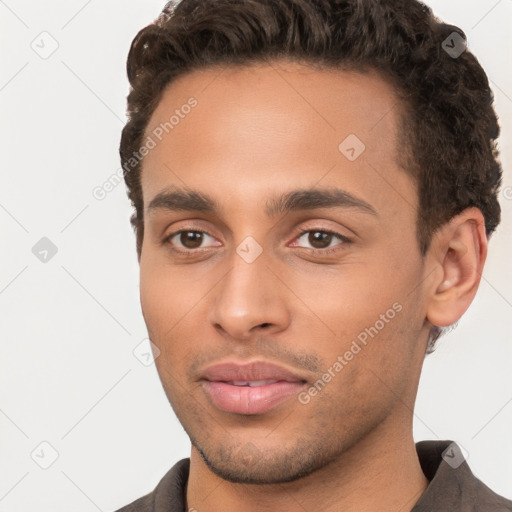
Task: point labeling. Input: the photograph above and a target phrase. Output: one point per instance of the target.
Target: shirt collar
(452, 487)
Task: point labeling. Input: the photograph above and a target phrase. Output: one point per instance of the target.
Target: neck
(380, 472)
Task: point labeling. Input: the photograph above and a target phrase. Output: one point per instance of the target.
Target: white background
(69, 326)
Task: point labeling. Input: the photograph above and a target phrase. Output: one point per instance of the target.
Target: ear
(458, 250)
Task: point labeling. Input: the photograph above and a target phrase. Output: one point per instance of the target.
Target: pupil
(191, 239)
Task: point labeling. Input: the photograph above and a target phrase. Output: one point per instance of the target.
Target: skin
(258, 132)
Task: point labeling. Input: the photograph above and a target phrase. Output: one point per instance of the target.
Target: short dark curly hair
(449, 125)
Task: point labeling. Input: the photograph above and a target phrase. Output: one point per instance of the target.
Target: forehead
(296, 94)
(260, 126)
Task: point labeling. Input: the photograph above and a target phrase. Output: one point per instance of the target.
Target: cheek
(172, 303)
(371, 363)
(163, 301)
(153, 297)
(375, 312)
(166, 292)
(353, 297)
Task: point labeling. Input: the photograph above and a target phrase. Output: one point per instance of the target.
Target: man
(314, 185)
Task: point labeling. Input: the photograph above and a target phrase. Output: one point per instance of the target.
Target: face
(280, 229)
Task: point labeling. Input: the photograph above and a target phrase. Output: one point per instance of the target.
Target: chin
(248, 465)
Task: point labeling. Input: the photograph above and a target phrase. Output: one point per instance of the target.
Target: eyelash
(328, 250)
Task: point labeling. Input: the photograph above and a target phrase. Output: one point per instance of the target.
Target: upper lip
(253, 371)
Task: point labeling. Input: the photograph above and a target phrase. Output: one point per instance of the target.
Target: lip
(217, 381)
(253, 371)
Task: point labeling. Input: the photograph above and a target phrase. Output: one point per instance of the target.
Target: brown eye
(188, 239)
(320, 239)
(191, 239)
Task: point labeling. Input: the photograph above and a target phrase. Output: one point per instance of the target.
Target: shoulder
(169, 494)
(453, 487)
(144, 504)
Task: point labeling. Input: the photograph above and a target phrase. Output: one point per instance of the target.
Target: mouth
(254, 397)
(253, 388)
(254, 383)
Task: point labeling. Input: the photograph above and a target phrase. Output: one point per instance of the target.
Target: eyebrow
(296, 200)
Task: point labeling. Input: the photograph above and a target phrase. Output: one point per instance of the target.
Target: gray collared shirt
(452, 487)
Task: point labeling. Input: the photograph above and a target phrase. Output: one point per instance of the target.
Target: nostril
(265, 324)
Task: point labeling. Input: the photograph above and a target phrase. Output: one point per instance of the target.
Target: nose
(249, 299)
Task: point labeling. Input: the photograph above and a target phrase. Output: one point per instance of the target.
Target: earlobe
(459, 249)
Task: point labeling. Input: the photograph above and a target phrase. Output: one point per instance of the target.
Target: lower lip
(250, 400)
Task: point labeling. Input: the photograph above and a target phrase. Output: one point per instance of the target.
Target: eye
(189, 239)
(321, 239)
